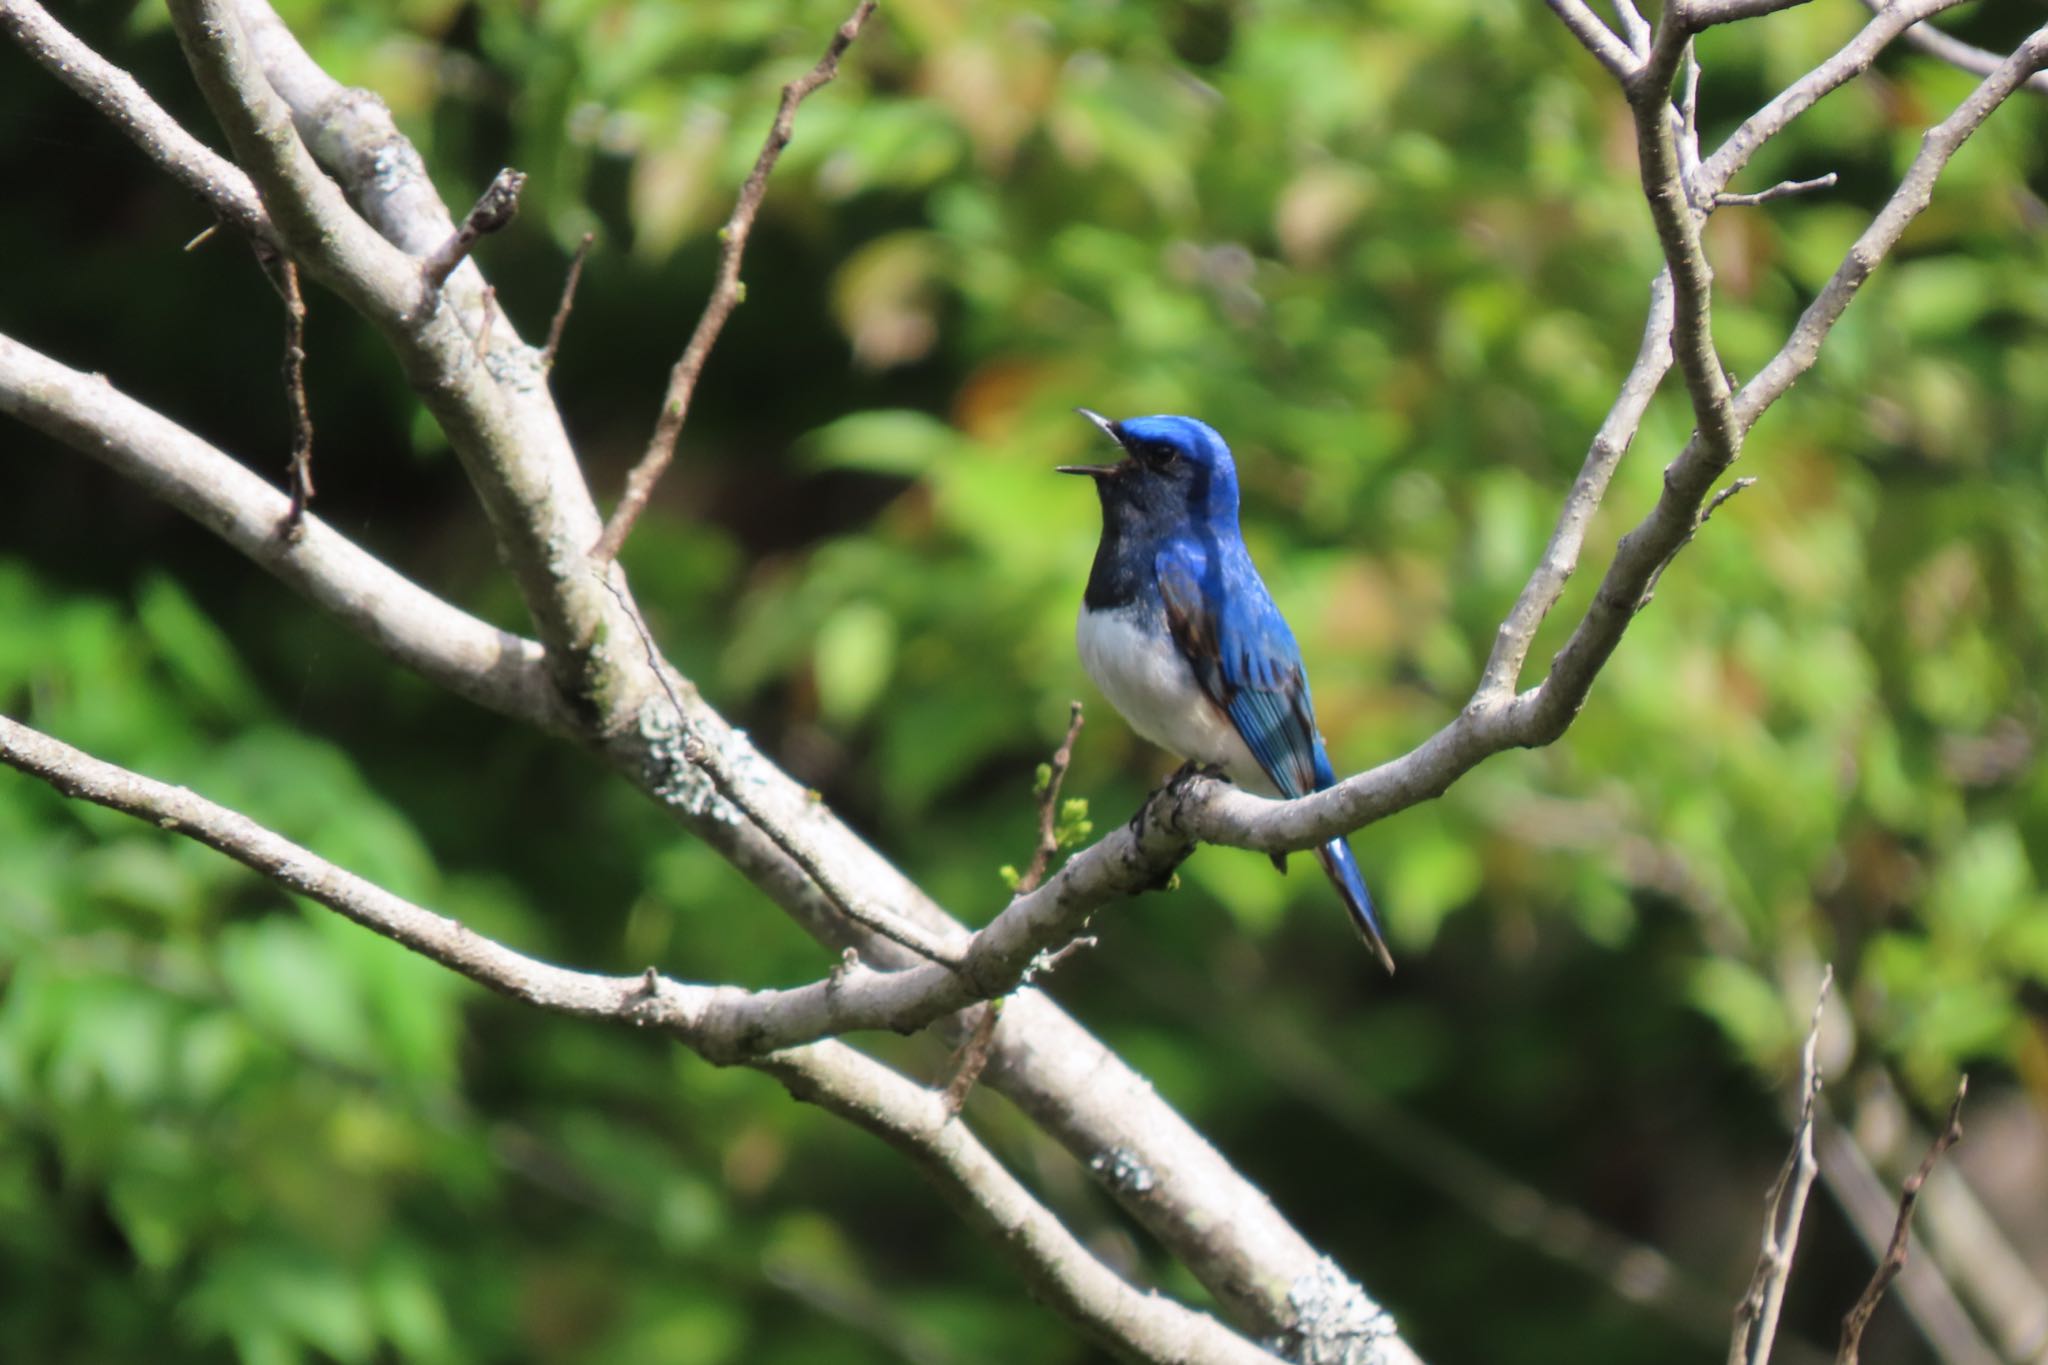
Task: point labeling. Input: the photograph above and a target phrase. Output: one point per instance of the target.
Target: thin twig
(494, 208)
(1894, 1260)
(1049, 805)
(972, 1055)
(561, 319)
(970, 1059)
(1713, 506)
(1784, 189)
(725, 293)
(295, 392)
(1756, 1316)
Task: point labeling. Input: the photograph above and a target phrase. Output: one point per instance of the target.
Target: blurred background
(1396, 254)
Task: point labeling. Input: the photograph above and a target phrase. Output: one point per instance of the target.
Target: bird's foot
(1173, 789)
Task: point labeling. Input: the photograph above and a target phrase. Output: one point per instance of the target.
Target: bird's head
(1171, 466)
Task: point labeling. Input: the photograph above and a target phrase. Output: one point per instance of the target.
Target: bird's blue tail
(1342, 870)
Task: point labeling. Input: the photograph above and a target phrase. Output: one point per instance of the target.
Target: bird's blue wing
(1245, 659)
(1246, 662)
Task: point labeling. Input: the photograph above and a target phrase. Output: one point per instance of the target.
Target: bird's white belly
(1154, 689)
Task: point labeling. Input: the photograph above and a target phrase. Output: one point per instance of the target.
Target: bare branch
(725, 293)
(497, 670)
(1756, 1316)
(561, 319)
(1597, 38)
(831, 1075)
(1922, 1289)
(849, 903)
(295, 394)
(970, 1059)
(1784, 189)
(1957, 53)
(1678, 232)
(128, 106)
(509, 434)
(915, 1122)
(1713, 506)
(1845, 65)
(1916, 190)
(1699, 15)
(1634, 27)
(1561, 556)
(316, 224)
(494, 208)
(351, 133)
(1894, 1259)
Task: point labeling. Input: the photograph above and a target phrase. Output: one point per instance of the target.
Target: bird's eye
(1158, 454)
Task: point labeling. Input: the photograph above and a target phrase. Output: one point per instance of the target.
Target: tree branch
(1561, 556)
(494, 208)
(553, 346)
(1850, 61)
(1055, 772)
(1700, 15)
(1160, 1169)
(1929, 1289)
(1915, 192)
(129, 108)
(315, 222)
(1596, 38)
(1784, 189)
(1678, 224)
(351, 133)
(497, 670)
(830, 1075)
(509, 435)
(917, 1123)
(1756, 1316)
(1957, 53)
(1214, 813)
(726, 293)
(1894, 1259)
(295, 395)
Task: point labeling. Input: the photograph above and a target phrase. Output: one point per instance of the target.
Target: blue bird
(1180, 634)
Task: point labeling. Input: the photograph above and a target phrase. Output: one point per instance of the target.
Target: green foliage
(1396, 256)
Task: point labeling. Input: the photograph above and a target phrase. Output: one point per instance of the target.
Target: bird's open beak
(1109, 430)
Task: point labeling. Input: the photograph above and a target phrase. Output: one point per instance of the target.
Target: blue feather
(1171, 557)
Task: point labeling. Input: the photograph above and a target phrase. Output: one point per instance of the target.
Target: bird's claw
(1173, 788)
